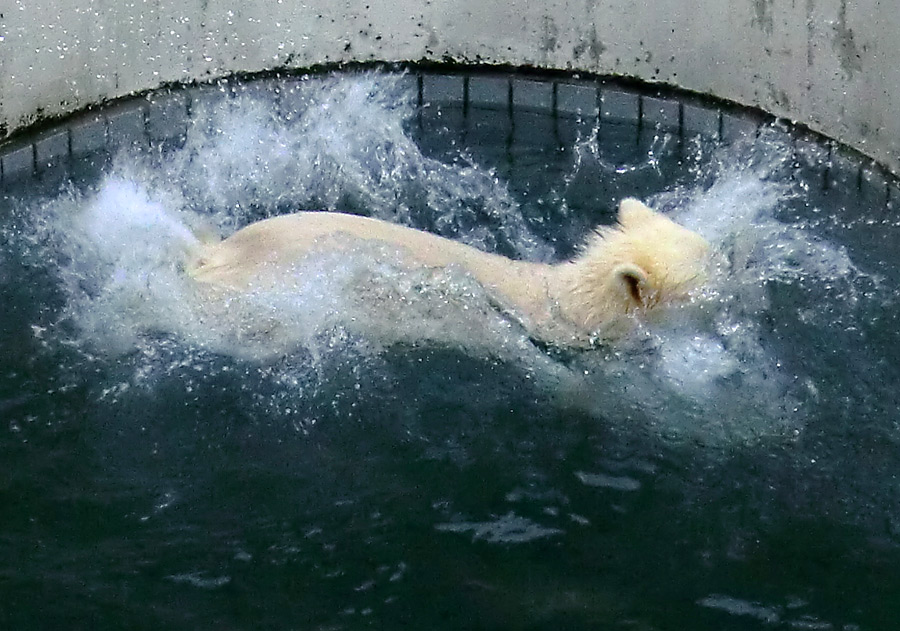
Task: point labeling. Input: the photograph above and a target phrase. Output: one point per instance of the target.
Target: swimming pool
(735, 468)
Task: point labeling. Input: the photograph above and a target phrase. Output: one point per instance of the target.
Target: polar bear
(624, 273)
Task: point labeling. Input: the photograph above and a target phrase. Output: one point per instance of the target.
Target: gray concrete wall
(830, 64)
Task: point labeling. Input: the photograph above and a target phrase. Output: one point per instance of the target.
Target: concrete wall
(830, 64)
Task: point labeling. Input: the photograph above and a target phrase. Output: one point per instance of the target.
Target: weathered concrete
(827, 63)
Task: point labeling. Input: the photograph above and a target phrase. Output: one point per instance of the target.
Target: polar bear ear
(633, 212)
(631, 279)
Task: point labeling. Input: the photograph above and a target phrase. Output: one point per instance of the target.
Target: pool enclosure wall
(831, 65)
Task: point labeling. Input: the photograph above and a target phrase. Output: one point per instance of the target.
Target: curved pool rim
(826, 64)
(45, 150)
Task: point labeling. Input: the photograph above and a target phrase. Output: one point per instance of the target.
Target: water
(278, 465)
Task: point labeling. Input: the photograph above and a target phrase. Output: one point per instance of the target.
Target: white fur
(629, 270)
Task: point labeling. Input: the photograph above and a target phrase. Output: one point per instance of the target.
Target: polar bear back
(282, 241)
(261, 252)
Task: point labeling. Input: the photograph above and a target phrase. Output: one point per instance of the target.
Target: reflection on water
(161, 447)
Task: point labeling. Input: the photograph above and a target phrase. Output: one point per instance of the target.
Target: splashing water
(337, 145)
(713, 372)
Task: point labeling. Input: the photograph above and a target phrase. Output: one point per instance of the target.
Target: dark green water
(747, 480)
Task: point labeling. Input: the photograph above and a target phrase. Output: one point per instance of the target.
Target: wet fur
(624, 271)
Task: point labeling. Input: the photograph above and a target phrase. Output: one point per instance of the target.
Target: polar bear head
(633, 268)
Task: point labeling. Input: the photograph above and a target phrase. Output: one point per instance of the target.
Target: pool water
(734, 467)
